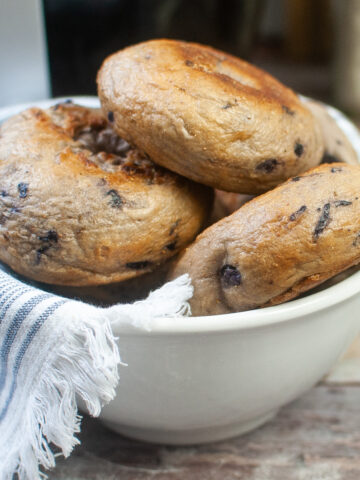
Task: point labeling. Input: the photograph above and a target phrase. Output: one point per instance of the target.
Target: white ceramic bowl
(201, 379)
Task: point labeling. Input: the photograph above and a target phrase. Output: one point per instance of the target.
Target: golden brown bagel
(279, 244)
(337, 145)
(226, 203)
(231, 201)
(208, 115)
(78, 206)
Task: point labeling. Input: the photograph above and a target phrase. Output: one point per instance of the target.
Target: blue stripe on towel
(4, 287)
(16, 292)
(28, 339)
(13, 329)
(8, 282)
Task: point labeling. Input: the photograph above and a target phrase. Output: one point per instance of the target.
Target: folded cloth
(52, 350)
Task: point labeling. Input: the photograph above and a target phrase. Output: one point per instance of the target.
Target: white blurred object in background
(23, 55)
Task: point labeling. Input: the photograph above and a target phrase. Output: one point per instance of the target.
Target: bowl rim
(85, 100)
(250, 319)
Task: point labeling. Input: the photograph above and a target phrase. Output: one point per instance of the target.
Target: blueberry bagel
(279, 244)
(208, 115)
(337, 146)
(79, 206)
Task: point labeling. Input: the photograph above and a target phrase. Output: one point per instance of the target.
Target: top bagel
(208, 115)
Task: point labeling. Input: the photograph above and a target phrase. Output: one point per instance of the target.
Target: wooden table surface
(317, 437)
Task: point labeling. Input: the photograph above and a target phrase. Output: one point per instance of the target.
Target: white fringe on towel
(51, 350)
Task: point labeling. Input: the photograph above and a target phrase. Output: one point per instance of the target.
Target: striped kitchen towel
(53, 349)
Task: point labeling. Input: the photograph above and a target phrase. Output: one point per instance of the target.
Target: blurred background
(55, 47)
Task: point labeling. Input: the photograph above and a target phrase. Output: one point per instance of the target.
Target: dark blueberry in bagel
(268, 165)
(23, 189)
(296, 215)
(323, 221)
(299, 149)
(230, 276)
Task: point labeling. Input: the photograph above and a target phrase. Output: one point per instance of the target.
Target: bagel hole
(112, 153)
(109, 150)
(102, 139)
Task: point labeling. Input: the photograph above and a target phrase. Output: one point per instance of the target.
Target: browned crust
(208, 115)
(73, 216)
(278, 244)
(308, 283)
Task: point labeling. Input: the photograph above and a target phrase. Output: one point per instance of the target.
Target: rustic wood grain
(316, 437)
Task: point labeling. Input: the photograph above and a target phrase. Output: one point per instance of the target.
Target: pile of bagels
(92, 197)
